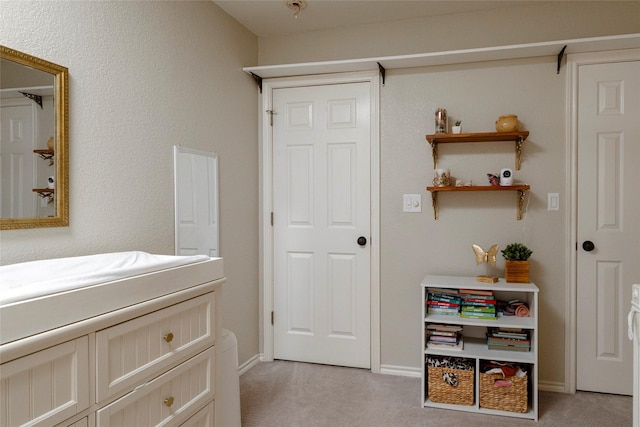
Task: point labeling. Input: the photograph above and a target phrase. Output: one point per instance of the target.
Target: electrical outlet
(412, 203)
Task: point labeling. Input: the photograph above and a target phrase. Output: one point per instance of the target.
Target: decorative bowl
(507, 123)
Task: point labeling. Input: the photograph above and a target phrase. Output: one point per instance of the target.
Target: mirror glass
(34, 165)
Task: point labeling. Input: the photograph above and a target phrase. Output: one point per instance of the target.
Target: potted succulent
(457, 128)
(516, 257)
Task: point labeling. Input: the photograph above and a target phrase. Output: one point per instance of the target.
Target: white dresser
(149, 363)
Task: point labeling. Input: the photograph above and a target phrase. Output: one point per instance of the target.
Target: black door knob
(588, 245)
(362, 240)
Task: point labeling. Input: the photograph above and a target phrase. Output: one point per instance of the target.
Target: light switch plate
(553, 201)
(412, 203)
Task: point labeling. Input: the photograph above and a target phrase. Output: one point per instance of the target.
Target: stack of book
(447, 337)
(443, 301)
(510, 339)
(477, 304)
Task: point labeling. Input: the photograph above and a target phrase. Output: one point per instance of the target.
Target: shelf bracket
(46, 195)
(35, 98)
(519, 142)
(258, 80)
(521, 196)
(47, 156)
(383, 72)
(434, 203)
(560, 55)
(434, 154)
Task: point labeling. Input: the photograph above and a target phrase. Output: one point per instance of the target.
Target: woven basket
(441, 391)
(512, 399)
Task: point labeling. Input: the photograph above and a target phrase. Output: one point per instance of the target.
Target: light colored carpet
(292, 394)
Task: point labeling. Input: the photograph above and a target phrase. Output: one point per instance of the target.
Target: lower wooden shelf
(520, 189)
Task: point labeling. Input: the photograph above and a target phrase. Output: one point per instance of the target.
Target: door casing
(574, 61)
(266, 197)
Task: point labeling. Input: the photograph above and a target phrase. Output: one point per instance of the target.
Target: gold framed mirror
(34, 187)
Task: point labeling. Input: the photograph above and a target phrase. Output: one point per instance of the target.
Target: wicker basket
(441, 391)
(512, 399)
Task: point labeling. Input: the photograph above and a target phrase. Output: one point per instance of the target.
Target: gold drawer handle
(168, 337)
(168, 401)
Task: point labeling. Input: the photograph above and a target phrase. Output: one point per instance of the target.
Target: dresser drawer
(46, 387)
(168, 400)
(132, 352)
(205, 417)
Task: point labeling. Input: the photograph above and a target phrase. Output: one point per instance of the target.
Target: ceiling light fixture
(296, 5)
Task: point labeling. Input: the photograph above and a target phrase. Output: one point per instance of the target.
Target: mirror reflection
(33, 142)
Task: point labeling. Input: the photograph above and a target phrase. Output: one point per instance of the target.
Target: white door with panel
(608, 223)
(321, 204)
(196, 202)
(18, 133)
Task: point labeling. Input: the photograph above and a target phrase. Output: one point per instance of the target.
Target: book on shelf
(509, 343)
(435, 303)
(458, 346)
(443, 327)
(475, 292)
(480, 302)
(513, 339)
(444, 293)
(481, 316)
(512, 333)
(447, 337)
(478, 309)
(508, 348)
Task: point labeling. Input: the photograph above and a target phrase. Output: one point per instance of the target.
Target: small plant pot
(516, 271)
(456, 129)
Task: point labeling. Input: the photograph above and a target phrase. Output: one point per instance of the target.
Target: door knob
(588, 245)
(362, 240)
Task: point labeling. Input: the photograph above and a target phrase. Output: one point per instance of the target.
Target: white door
(321, 204)
(608, 223)
(196, 202)
(17, 138)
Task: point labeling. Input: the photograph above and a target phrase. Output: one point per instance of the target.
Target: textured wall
(143, 77)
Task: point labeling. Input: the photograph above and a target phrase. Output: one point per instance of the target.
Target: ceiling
(273, 17)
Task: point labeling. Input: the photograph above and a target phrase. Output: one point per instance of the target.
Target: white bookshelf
(475, 345)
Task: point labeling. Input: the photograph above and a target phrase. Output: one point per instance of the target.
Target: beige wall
(143, 77)
(413, 245)
(544, 21)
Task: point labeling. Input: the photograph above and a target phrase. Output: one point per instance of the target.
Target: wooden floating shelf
(481, 188)
(521, 189)
(453, 138)
(450, 138)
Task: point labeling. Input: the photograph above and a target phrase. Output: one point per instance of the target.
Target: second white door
(321, 200)
(608, 223)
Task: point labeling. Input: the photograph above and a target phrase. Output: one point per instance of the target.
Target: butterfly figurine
(485, 257)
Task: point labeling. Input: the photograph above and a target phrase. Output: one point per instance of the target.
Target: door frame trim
(266, 257)
(574, 61)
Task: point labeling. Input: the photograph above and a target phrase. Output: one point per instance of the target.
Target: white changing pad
(19, 282)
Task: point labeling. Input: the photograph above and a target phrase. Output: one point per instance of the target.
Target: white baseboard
(250, 363)
(551, 386)
(403, 371)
